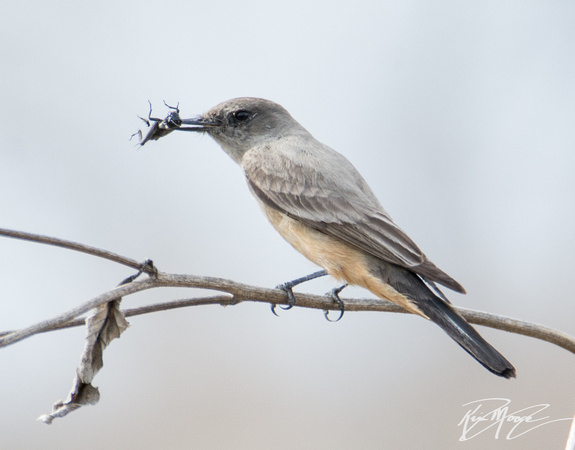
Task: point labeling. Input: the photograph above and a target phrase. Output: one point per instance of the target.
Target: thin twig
(106, 297)
(223, 300)
(516, 326)
(57, 242)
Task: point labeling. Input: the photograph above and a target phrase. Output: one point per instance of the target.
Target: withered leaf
(104, 324)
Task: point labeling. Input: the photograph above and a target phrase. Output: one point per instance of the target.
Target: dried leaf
(105, 324)
(81, 394)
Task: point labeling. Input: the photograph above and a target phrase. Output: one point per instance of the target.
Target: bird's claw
(287, 288)
(334, 294)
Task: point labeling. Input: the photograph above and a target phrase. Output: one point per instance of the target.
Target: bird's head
(244, 123)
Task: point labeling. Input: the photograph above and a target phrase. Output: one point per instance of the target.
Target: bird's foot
(334, 294)
(288, 289)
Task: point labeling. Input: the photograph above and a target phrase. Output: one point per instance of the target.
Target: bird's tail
(422, 300)
(466, 336)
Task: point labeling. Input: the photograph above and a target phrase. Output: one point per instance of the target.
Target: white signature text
(495, 414)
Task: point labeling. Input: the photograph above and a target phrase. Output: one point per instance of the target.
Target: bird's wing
(329, 195)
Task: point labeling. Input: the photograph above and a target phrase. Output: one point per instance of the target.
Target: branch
(74, 246)
(238, 292)
(106, 322)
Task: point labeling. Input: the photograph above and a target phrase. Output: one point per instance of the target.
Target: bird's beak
(199, 124)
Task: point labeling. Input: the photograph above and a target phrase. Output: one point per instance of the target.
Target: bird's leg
(334, 294)
(287, 288)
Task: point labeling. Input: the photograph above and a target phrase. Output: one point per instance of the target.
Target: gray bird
(317, 200)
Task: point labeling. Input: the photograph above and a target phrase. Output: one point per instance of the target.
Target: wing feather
(320, 188)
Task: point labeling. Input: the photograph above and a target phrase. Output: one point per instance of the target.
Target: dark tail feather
(466, 336)
(444, 315)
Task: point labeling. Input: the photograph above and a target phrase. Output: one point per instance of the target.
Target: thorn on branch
(147, 267)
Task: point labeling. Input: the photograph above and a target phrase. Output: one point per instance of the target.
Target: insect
(158, 128)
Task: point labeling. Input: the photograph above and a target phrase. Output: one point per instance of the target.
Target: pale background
(459, 114)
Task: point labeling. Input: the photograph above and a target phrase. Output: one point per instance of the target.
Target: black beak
(198, 124)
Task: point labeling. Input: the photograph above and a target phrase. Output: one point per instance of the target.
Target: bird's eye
(242, 115)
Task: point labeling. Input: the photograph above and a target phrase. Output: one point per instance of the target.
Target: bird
(321, 205)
